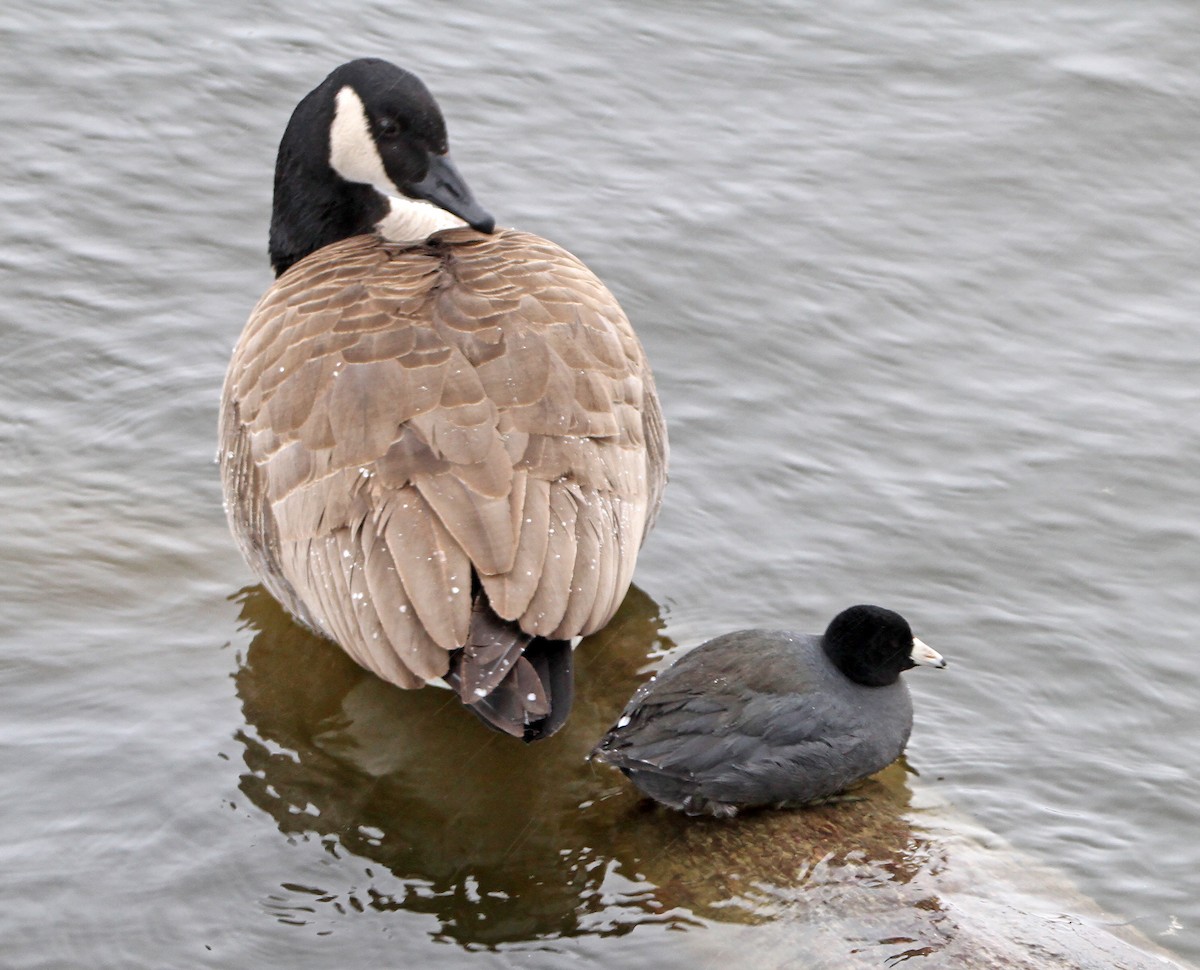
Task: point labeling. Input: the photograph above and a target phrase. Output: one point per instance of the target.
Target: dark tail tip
(533, 699)
(515, 683)
(553, 662)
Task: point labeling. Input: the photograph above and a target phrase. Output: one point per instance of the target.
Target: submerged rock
(887, 877)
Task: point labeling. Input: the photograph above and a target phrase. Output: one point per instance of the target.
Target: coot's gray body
(767, 717)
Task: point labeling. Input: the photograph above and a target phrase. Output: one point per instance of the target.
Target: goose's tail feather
(515, 683)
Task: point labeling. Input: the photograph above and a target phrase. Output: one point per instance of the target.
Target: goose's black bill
(446, 188)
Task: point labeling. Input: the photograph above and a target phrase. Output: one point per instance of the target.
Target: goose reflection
(493, 839)
(504, 843)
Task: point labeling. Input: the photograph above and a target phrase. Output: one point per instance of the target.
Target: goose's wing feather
(399, 418)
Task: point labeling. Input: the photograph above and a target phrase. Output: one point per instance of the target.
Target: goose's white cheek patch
(352, 151)
(355, 157)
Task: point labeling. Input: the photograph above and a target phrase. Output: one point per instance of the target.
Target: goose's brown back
(402, 423)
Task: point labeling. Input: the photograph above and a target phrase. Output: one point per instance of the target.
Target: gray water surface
(921, 289)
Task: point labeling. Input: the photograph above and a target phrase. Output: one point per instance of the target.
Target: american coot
(766, 717)
(440, 443)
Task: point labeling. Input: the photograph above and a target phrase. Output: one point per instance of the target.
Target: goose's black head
(368, 132)
(873, 646)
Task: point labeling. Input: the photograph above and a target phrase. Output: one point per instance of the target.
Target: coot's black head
(370, 130)
(873, 646)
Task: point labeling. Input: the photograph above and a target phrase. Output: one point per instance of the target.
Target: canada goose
(441, 445)
(764, 717)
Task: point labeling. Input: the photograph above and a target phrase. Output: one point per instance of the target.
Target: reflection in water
(502, 842)
(505, 842)
(486, 834)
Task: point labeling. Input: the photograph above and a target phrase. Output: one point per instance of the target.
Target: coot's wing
(686, 734)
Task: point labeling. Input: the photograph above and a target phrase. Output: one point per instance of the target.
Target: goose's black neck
(313, 205)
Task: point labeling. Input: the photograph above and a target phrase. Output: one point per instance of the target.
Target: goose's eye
(390, 128)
